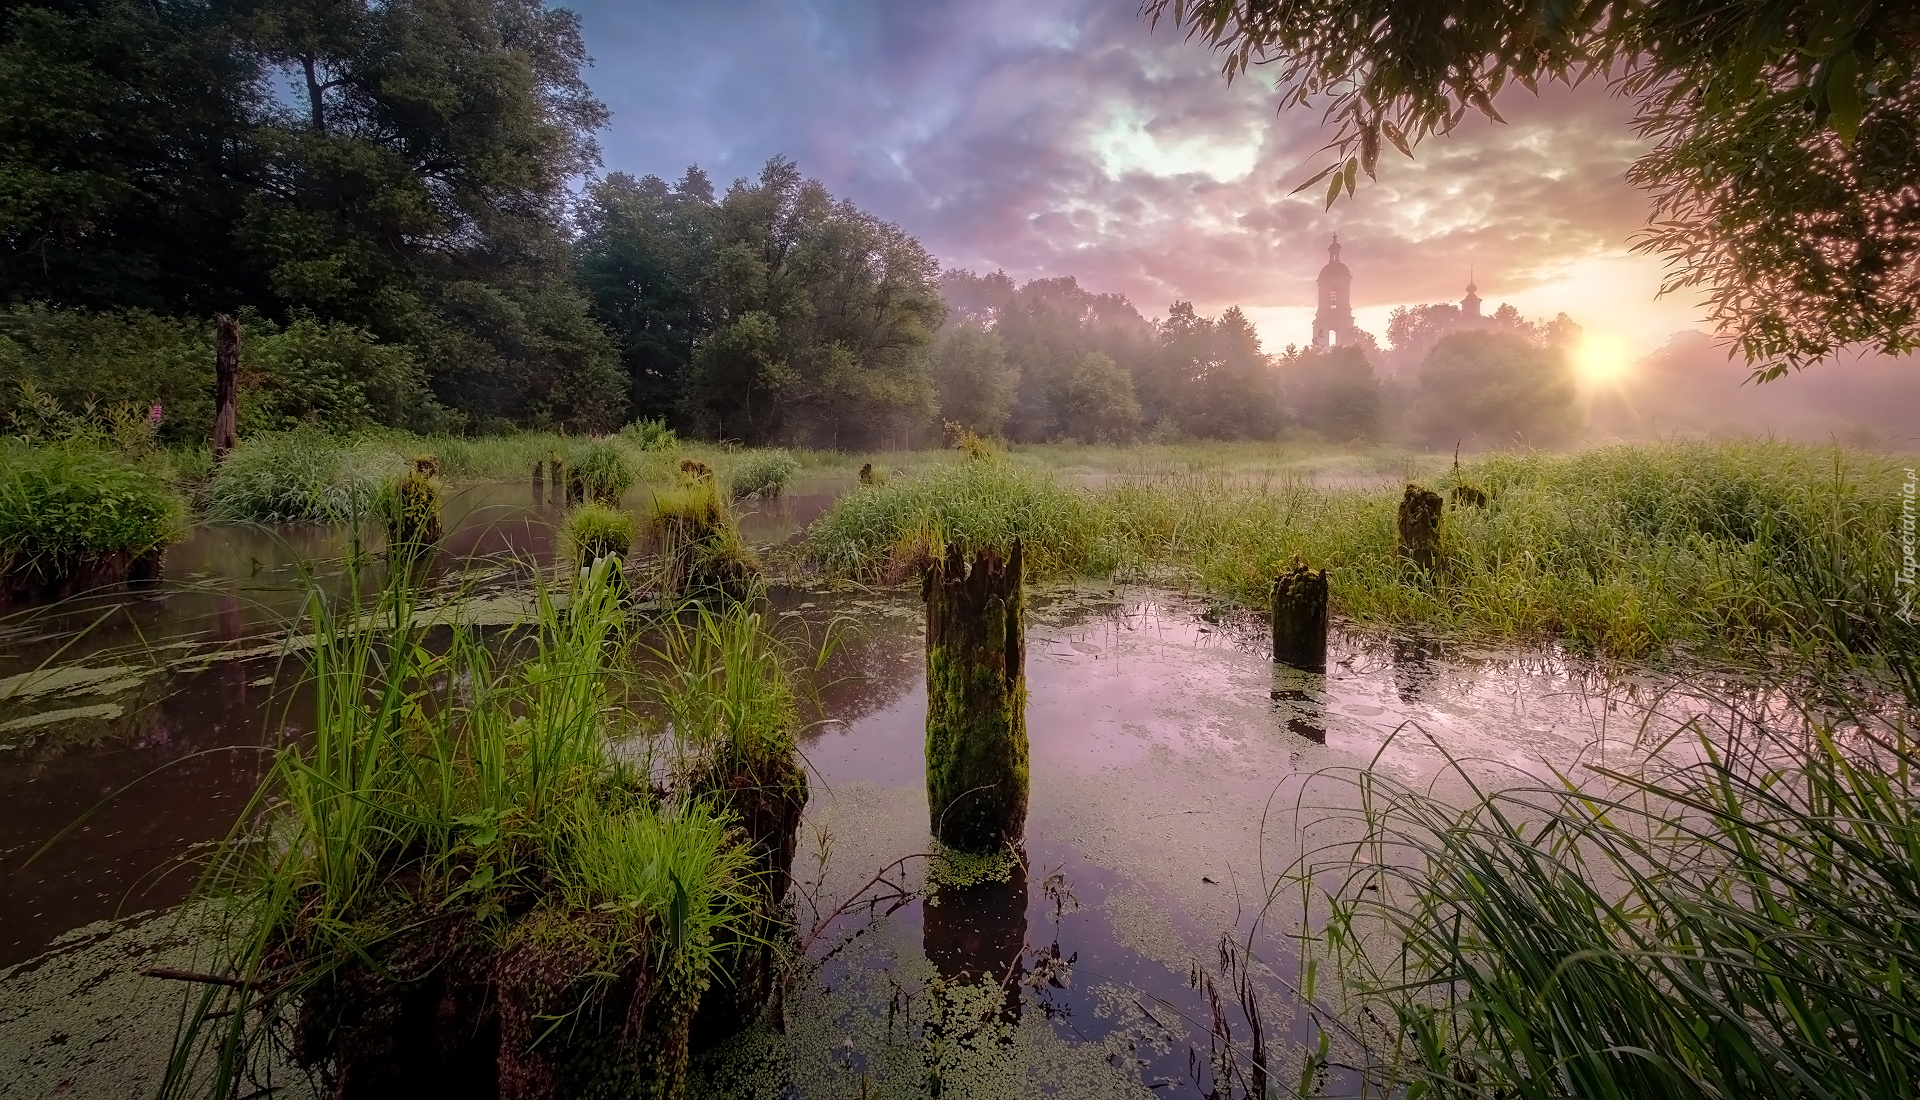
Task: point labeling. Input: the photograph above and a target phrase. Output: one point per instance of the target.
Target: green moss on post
(1300, 617)
(539, 483)
(976, 700)
(1419, 523)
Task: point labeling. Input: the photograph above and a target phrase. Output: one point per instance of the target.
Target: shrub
(297, 477)
(66, 512)
(650, 435)
(1495, 388)
(761, 474)
(595, 531)
(598, 472)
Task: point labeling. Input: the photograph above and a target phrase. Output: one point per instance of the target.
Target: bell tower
(1333, 321)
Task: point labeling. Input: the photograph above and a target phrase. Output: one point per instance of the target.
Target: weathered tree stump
(555, 486)
(1300, 617)
(866, 473)
(226, 385)
(539, 483)
(976, 699)
(1420, 511)
(1468, 496)
(413, 510)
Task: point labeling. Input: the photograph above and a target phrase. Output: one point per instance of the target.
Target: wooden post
(1420, 511)
(226, 385)
(976, 700)
(1300, 617)
(553, 471)
(866, 473)
(539, 482)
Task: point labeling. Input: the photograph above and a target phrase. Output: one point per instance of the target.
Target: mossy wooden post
(1300, 617)
(976, 700)
(553, 470)
(226, 385)
(539, 482)
(866, 473)
(1420, 511)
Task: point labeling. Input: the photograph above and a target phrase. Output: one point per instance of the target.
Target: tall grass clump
(700, 546)
(72, 517)
(453, 886)
(760, 475)
(594, 531)
(599, 473)
(409, 508)
(295, 477)
(1743, 924)
(889, 531)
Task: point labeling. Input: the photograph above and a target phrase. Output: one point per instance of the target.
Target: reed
(1740, 923)
(456, 833)
(296, 477)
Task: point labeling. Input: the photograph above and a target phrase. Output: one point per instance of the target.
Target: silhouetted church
(1333, 321)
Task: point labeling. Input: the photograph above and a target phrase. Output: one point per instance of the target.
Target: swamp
(512, 588)
(331, 809)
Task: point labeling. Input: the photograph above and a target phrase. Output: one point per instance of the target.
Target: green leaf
(1333, 189)
(1399, 139)
(1352, 172)
(1317, 177)
(1843, 95)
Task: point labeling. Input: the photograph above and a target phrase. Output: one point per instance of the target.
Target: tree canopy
(412, 187)
(1785, 176)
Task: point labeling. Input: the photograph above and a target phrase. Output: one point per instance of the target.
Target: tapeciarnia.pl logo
(1903, 580)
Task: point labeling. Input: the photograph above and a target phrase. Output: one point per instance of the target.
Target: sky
(1067, 137)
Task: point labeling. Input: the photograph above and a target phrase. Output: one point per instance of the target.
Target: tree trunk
(226, 385)
(1420, 511)
(1300, 617)
(976, 700)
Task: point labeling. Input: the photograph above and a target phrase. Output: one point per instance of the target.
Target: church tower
(1470, 305)
(1333, 321)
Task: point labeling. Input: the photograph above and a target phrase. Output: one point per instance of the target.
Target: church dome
(1335, 270)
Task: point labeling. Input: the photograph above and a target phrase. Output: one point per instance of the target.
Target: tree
(1211, 380)
(1047, 329)
(1785, 176)
(1094, 399)
(1333, 392)
(1494, 388)
(772, 312)
(125, 157)
(975, 384)
(415, 190)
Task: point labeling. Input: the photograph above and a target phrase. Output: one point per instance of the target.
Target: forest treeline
(383, 194)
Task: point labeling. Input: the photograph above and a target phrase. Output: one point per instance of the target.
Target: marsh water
(1176, 774)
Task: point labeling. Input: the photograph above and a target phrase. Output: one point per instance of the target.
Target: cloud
(1064, 137)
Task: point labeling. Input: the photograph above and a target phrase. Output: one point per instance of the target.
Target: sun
(1602, 358)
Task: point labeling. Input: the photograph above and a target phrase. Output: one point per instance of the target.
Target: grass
(700, 547)
(761, 475)
(595, 531)
(1744, 922)
(63, 507)
(599, 472)
(409, 508)
(296, 477)
(1626, 551)
(439, 786)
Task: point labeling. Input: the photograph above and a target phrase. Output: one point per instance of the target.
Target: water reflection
(1300, 695)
